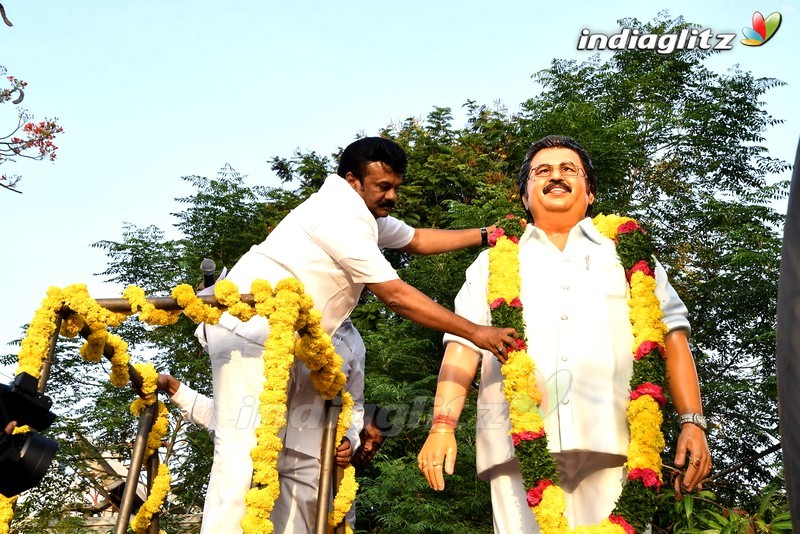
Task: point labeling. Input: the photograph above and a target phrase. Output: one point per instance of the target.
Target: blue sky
(149, 91)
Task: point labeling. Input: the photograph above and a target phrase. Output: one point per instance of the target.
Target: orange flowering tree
(28, 139)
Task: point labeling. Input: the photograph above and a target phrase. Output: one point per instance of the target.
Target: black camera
(24, 458)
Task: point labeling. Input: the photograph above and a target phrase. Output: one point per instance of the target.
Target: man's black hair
(556, 141)
(379, 417)
(366, 150)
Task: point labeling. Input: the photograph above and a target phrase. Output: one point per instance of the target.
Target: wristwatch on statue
(695, 419)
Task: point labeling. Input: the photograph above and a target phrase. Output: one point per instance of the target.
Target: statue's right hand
(438, 456)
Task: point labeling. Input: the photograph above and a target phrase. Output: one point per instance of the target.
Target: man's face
(378, 189)
(371, 441)
(557, 193)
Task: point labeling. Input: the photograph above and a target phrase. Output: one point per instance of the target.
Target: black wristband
(484, 237)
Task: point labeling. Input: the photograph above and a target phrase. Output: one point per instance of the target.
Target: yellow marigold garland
(72, 325)
(288, 309)
(228, 295)
(148, 313)
(635, 506)
(6, 512)
(345, 496)
(346, 492)
(194, 308)
(36, 344)
(140, 523)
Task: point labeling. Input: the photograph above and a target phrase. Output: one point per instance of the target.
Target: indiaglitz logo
(666, 43)
(686, 39)
(762, 30)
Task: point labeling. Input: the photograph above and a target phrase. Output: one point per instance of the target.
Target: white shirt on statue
(579, 335)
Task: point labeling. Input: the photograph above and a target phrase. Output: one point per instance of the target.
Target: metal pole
(44, 375)
(164, 303)
(152, 472)
(332, 409)
(137, 457)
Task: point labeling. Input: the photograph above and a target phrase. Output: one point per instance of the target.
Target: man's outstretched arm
(435, 241)
(411, 303)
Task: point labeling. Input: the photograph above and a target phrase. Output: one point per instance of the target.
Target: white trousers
(296, 508)
(591, 482)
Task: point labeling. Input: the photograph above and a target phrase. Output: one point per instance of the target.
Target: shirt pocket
(611, 279)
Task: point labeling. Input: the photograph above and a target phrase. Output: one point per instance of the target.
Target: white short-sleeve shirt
(579, 336)
(331, 243)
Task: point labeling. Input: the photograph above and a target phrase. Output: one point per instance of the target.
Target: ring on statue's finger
(500, 349)
(696, 463)
(435, 463)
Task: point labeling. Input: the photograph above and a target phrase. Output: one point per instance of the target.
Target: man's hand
(343, 453)
(495, 340)
(10, 427)
(167, 383)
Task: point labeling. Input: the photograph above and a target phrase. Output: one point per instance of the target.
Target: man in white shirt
(579, 335)
(299, 461)
(332, 244)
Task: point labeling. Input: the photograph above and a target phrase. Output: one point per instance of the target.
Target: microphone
(208, 267)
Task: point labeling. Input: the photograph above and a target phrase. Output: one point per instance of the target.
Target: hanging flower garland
(6, 512)
(636, 504)
(148, 313)
(348, 488)
(288, 309)
(140, 523)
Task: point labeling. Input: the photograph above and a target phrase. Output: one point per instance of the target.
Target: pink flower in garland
(521, 345)
(497, 303)
(527, 435)
(628, 227)
(535, 494)
(515, 303)
(648, 477)
(495, 235)
(640, 266)
(648, 388)
(647, 347)
(619, 520)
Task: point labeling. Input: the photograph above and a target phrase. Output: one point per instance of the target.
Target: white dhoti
(591, 482)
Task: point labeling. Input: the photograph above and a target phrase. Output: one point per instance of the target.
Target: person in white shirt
(332, 244)
(299, 462)
(579, 336)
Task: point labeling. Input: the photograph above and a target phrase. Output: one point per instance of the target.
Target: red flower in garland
(648, 477)
(515, 303)
(640, 266)
(526, 436)
(619, 520)
(535, 494)
(521, 345)
(648, 388)
(628, 227)
(497, 303)
(647, 347)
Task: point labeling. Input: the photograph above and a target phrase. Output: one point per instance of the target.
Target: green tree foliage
(676, 145)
